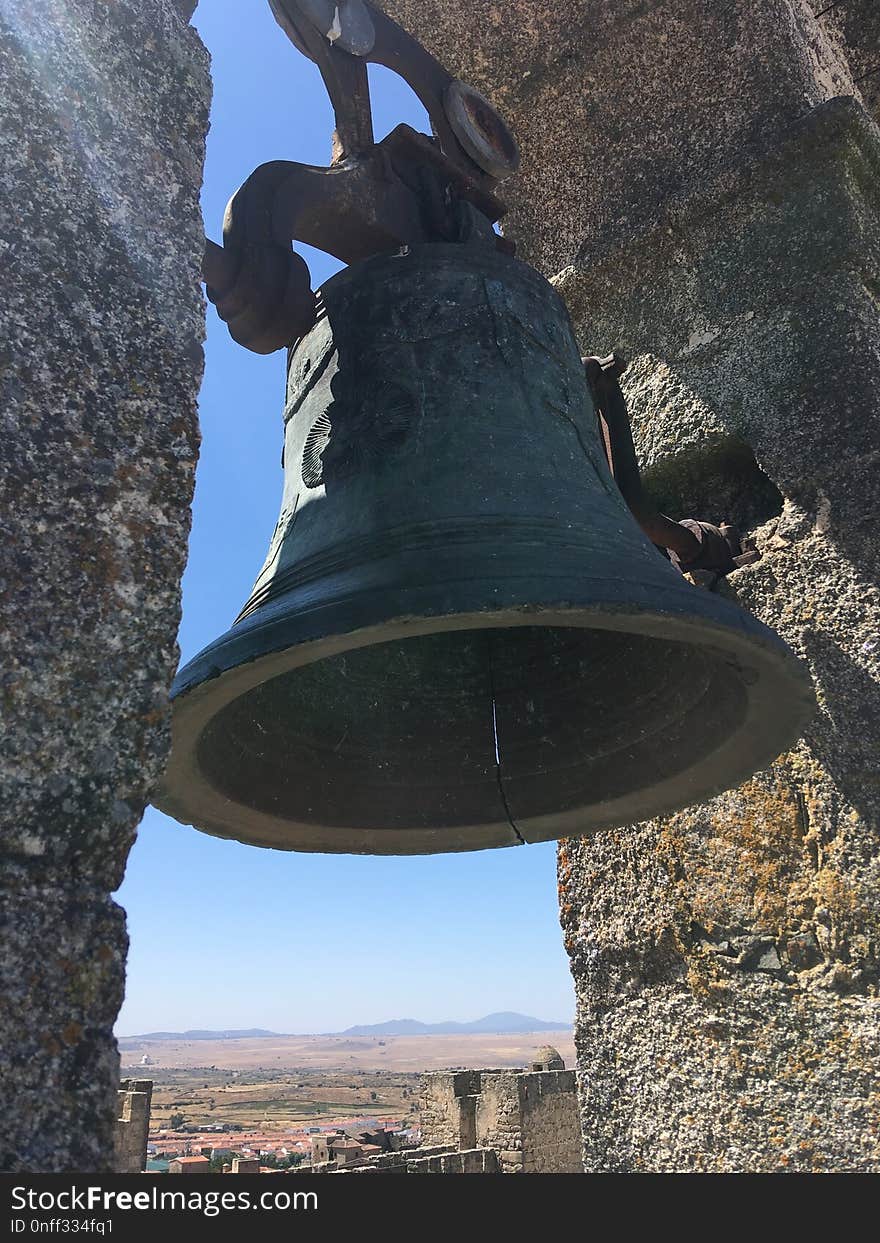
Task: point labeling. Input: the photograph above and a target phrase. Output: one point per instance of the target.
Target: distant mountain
(232, 1034)
(506, 1022)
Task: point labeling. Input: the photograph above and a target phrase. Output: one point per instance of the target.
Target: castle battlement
(132, 1127)
(487, 1122)
(529, 1117)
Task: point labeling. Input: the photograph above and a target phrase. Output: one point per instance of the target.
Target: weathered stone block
(726, 958)
(706, 176)
(724, 353)
(105, 112)
(855, 26)
(132, 1126)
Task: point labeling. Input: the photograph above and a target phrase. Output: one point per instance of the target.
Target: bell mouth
(453, 734)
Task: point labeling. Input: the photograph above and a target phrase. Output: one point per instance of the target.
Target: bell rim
(780, 700)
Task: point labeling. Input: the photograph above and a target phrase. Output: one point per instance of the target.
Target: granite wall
(701, 181)
(104, 118)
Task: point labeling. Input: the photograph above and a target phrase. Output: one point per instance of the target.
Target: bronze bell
(460, 637)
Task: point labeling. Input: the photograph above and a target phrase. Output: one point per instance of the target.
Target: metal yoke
(374, 197)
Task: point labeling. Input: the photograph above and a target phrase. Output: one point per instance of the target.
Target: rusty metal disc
(481, 131)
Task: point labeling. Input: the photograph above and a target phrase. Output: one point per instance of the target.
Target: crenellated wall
(132, 1129)
(446, 1108)
(529, 1118)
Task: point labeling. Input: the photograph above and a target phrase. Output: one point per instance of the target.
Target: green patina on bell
(460, 637)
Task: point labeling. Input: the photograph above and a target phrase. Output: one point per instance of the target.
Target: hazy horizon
(257, 1029)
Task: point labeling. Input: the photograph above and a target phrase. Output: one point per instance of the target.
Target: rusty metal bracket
(373, 197)
(695, 547)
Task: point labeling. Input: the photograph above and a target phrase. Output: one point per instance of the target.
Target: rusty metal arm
(602, 376)
(344, 76)
(397, 50)
(376, 39)
(374, 203)
(694, 545)
(373, 198)
(261, 288)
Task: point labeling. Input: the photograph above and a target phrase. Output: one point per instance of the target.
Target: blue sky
(224, 935)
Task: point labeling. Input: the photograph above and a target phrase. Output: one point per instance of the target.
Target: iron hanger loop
(373, 197)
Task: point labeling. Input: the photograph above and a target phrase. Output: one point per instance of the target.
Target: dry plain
(390, 1053)
(275, 1082)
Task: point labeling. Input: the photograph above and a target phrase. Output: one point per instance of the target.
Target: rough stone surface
(441, 1106)
(622, 105)
(105, 112)
(547, 1058)
(729, 1019)
(703, 180)
(855, 26)
(531, 1120)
